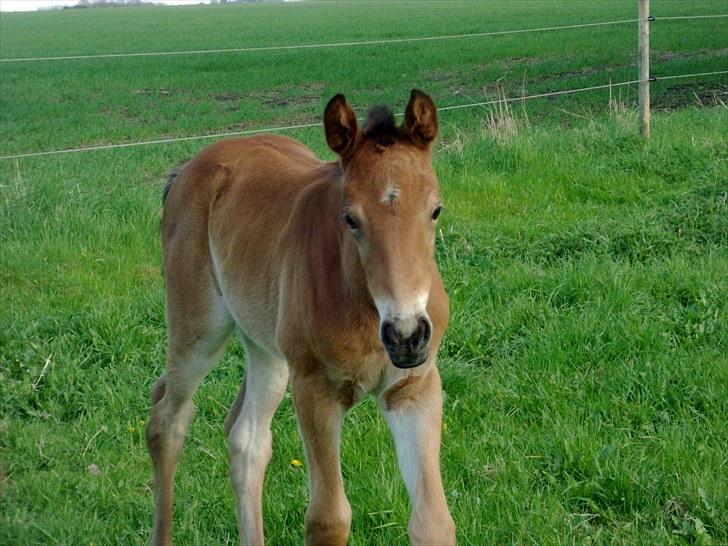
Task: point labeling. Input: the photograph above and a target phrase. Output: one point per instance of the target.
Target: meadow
(586, 365)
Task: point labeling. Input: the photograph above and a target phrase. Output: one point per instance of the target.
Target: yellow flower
(444, 426)
(296, 463)
(141, 422)
(132, 429)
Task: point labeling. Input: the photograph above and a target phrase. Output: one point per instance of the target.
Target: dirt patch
(520, 62)
(225, 97)
(145, 92)
(693, 93)
(675, 55)
(293, 96)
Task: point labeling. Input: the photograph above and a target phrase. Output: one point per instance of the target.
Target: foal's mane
(171, 176)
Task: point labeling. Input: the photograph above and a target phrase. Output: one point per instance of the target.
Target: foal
(326, 272)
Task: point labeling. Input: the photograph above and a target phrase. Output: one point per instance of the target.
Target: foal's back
(257, 175)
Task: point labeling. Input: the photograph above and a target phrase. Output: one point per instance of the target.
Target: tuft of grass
(500, 123)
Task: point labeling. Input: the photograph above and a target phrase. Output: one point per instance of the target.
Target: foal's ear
(342, 130)
(420, 119)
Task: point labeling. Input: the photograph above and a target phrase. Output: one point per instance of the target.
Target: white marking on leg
(407, 429)
(415, 428)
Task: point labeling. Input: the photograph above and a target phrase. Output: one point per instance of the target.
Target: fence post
(643, 67)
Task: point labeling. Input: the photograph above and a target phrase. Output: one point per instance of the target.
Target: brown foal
(326, 272)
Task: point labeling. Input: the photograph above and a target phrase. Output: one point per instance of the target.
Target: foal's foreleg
(249, 436)
(320, 415)
(413, 411)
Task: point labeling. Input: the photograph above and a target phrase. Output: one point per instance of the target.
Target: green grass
(585, 367)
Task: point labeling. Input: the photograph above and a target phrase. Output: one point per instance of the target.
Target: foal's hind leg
(196, 342)
(249, 436)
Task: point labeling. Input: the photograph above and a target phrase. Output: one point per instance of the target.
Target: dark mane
(380, 125)
(170, 179)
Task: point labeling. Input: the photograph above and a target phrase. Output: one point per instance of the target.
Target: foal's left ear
(342, 129)
(420, 119)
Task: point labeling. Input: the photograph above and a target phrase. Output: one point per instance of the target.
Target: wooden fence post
(643, 67)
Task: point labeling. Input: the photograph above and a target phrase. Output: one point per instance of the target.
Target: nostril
(421, 336)
(416, 337)
(389, 334)
(425, 327)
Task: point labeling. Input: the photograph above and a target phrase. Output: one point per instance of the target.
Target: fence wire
(684, 17)
(318, 123)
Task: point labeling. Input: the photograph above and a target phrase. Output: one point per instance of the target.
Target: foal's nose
(407, 347)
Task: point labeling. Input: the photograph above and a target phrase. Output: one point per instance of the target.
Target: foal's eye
(436, 212)
(350, 222)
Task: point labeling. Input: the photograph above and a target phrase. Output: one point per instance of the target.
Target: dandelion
(132, 429)
(141, 422)
(296, 463)
(444, 425)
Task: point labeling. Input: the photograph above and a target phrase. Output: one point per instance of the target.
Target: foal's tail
(171, 178)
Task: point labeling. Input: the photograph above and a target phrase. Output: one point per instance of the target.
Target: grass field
(585, 368)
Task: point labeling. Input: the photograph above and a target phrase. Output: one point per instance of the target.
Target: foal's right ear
(342, 130)
(420, 119)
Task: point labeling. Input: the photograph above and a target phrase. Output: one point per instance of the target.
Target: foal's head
(390, 208)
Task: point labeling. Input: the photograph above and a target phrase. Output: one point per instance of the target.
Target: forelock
(380, 125)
